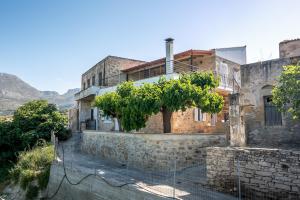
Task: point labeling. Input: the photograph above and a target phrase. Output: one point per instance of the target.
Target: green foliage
(109, 103)
(134, 105)
(32, 121)
(4, 172)
(286, 95)
(33, 166)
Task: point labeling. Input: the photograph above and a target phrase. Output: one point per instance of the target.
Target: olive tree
(286, 95)
(133, 105)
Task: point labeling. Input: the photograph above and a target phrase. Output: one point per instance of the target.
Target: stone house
(254, 120)
(106, 73)
(224, 62)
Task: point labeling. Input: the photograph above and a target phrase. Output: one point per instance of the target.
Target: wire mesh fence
(174, 178)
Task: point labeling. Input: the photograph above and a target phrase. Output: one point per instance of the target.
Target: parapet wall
(272, 173)
(150, 151)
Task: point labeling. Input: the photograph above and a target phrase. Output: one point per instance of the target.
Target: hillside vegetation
(32, 122)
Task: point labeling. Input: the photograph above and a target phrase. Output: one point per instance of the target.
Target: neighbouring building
(254, 120)
(106, 73)
(103, 77)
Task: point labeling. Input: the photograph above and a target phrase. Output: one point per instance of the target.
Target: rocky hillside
(15, 92)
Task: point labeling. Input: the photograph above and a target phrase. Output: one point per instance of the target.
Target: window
(199, 115)
(93, 80)
(272, 115)
(100, 79)
(84, 86)
(92, 114)
(213, 119)
(146, 73)
(88, 83)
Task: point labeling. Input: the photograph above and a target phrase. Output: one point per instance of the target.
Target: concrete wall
(289, 48)
(150, 151)
(257, 81)
(264, 173)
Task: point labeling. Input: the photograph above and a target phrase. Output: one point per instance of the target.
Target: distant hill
(15, 92)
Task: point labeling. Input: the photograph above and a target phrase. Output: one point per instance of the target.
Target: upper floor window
(223, 72)
(100, 79)
(84, 86)
(89, 83)
(93, 80)
(272, 115)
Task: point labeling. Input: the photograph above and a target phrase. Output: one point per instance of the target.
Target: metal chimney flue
(169, 56)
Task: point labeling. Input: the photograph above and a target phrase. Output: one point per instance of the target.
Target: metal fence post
(174, 179)
(239, 179)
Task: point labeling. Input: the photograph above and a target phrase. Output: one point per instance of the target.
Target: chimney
(169, 56)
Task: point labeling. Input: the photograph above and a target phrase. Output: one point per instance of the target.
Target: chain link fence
(173, 178)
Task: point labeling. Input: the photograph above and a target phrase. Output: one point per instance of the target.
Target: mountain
(15, 92)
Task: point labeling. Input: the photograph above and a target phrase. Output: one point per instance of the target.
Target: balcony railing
(87, 92)
(227, 82)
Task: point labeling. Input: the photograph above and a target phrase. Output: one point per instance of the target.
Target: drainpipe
(169, 56)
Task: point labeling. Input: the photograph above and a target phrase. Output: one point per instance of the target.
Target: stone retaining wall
(150, 151)
(270, 173)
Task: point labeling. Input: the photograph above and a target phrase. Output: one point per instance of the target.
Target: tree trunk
(117, 122)
(166, 120)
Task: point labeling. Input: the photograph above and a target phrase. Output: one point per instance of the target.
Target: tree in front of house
(286, 95)
(133, 105)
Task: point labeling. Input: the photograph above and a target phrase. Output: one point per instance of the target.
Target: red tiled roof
(183, 54)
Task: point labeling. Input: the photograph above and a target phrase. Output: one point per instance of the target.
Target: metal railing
(227, 81)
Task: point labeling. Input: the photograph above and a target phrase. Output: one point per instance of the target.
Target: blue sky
(50, 43)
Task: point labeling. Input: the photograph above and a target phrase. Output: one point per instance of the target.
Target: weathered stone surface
(261, 171)
(150, 151)
(248, 124)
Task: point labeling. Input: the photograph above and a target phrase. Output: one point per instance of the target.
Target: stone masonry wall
(264, 173)
(110, 67)
(150, 151)
(257, 81)
(289, 48)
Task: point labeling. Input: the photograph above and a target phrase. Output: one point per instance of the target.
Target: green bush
(33, 121)
(32, 169)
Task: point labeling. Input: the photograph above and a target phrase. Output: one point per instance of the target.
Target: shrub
(33, 121)
(286, 95)
(32, 169)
